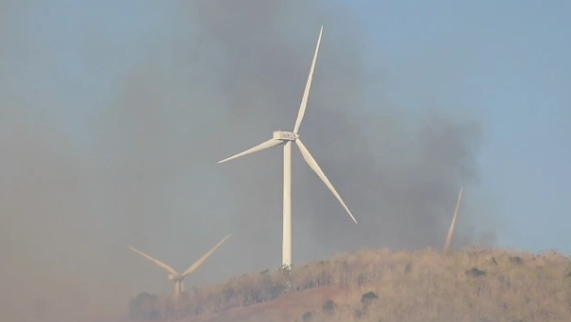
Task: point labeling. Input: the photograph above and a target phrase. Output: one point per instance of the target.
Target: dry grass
(469, 285)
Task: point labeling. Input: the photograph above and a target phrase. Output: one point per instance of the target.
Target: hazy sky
(114, 114)
(506, 61)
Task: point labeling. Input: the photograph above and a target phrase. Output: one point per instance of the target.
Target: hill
(382, 285)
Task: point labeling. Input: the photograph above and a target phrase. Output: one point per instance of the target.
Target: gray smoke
(137, 166)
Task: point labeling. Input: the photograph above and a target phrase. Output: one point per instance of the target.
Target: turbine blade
(262, 146)
(453, 223)
(305, 97)
(203, 259)
(156, 261)
(313, 164)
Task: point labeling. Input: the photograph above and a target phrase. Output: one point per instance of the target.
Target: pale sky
(507, 61)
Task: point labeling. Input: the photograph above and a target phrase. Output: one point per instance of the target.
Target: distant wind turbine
(174, 275)
(453, 223)
(286, 138)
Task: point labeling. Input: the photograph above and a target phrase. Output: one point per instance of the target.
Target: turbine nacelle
(174, 277)
(285, 136)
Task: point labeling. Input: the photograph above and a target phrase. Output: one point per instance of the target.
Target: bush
(329, 307)
(516, 260)
(142, 307)
(476, 272)
(307, 317)
(368, 298)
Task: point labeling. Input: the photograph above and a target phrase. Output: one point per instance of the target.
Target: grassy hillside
(380, 285)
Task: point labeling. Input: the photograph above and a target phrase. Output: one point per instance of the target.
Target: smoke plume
(124, 151)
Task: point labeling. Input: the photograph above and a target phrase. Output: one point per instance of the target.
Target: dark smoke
(139, 167)
(401, 179)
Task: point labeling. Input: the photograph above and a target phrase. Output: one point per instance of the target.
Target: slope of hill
(380, 285)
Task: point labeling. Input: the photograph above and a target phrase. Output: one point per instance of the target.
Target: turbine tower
(174, 275)
(286, 138)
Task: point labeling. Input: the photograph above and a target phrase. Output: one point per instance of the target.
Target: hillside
(382, 285)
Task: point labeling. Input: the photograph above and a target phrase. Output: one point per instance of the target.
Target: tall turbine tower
(286, 138)
(174, 275)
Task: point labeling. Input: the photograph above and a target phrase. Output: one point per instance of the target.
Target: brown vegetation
(380, 285)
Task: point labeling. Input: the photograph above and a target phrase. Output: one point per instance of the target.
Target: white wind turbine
(174, 275)
(286, 138)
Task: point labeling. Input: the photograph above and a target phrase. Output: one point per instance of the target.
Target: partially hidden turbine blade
(203, 259)
(156, 261)
(305, 97)
(262, 146)
(453, 223)
(313, 164)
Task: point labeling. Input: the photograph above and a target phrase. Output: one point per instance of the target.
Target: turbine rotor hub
(285, 136)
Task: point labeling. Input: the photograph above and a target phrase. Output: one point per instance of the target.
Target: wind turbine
(174, 275)
(286, 138)
(453, 223)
